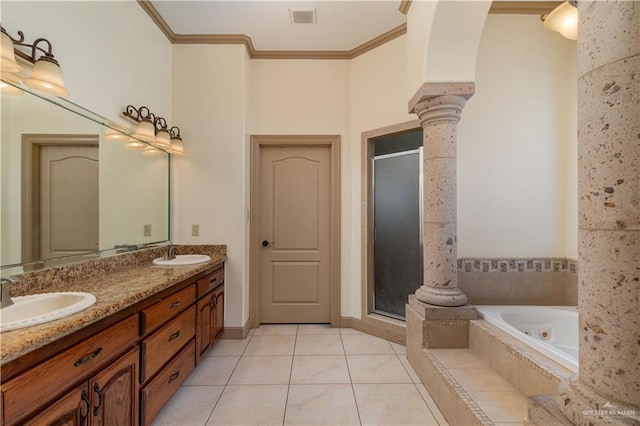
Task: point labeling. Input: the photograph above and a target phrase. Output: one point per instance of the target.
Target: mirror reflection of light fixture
(563, 19)
(135, 144)
(149, 150)
(113, 135)
(10, 89)
(154, 131)
(46, 75)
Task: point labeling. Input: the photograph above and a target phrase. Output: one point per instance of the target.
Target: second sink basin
(183, 260)
(41, 308)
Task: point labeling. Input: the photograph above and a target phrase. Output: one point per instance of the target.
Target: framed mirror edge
(13, 269)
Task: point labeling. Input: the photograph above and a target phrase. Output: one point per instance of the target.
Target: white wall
(209, 181)
(111, 53)
(517, 145)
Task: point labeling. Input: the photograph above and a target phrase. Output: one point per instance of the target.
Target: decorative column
(439, 105)
(607, 389)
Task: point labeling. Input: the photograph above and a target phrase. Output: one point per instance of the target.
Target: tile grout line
(227, 383)
(293, 354)
(416, 386)
(353, 390)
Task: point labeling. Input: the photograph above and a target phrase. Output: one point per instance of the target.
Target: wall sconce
(563, 19)
(46, 75)
(153, 130)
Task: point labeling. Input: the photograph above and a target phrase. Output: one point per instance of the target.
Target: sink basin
(40, 308)
(183, 260)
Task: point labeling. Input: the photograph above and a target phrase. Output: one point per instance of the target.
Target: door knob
(265, 243)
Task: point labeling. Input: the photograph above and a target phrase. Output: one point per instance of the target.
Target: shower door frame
(376, 324)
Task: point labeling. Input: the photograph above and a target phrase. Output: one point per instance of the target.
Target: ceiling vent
(302, 15)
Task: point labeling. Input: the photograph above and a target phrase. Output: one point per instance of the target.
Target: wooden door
(114, 393)
(204, 326)
(71, 409)
(218, 312)
(294, 229)
(69, 202)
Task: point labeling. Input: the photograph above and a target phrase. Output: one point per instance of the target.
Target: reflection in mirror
(67, 191)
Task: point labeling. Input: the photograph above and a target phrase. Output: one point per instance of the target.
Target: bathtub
(551, 330)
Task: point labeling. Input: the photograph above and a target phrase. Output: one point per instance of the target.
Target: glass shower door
(398, 230)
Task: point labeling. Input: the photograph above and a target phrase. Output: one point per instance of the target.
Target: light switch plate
(195, 230)
(147, 230)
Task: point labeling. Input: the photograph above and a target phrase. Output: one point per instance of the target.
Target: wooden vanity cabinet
(210, 311)
(123, 373)
(42, 385)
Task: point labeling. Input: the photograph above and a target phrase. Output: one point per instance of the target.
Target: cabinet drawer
(160, 347)
(165, 384)
(211, 281)
(43, 383)
(161, 312)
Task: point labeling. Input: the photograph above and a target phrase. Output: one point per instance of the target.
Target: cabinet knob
(266, 243)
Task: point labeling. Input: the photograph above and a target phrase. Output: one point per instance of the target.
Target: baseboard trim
(394, 331)
(236, 332)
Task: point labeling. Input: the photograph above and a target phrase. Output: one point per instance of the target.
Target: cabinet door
(71, 409)
(218, 306)
(114, 393)
(204, 326)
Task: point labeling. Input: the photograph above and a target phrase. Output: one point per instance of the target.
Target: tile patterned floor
(303, 375)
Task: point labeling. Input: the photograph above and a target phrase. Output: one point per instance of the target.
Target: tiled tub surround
(117, 282)
(519, 281)
(487, 382)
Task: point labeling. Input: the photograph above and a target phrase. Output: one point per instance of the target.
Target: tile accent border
(518, 264)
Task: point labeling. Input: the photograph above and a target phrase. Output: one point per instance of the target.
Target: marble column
(607, 388)
(439, 105)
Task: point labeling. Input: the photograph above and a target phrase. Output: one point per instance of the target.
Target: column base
(438, 296)
(584, 406)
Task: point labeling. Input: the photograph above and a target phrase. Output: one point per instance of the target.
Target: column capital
(429, 91)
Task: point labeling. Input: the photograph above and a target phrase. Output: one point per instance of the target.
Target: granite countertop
(114, 291)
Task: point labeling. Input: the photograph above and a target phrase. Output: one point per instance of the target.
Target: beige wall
(515, 158)
(209, 183)
(517, 145)
(378, 99)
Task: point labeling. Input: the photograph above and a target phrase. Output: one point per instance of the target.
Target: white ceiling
(341, 24)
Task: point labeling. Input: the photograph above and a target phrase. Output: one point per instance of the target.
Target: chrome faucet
(170, 253)
(5, 299)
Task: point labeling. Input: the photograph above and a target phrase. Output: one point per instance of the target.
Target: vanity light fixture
(153, 130)
(177, 146)
(135, 144)
(563, 19)
(46, 75)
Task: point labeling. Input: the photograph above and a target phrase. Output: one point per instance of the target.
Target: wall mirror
(67, 193)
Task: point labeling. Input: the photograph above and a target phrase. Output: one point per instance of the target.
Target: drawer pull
(87, 358)
(87, 404)
(213, 280)
(174, 304)
(174, 376)
(174, 336)
(97, 390)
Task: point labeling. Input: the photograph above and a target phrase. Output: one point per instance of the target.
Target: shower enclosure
(397, 203)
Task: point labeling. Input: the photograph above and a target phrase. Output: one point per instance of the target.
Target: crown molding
(267, 54)
(523, 7)
(506, 7)
(404, 6)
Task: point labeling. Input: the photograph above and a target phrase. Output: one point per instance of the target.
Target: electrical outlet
(146, 230)
(195, 230)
